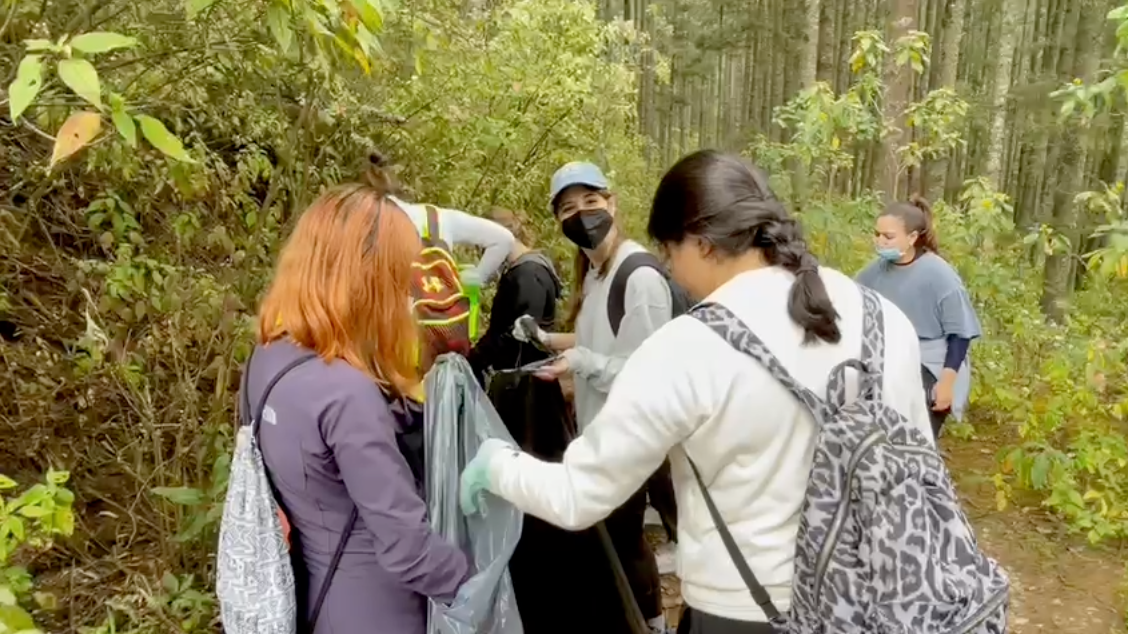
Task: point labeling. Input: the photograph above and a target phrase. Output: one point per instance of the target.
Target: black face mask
(588, 228)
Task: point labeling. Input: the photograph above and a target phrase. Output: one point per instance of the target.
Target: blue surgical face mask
(889, 254)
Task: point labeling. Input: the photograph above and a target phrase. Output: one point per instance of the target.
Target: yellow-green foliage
(28, 523)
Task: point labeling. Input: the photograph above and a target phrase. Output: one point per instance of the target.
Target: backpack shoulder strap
(870, 368)
(256, 416)
(244, 413)
(759, 594)
(256, 423)
(334, 563)
(873, 340)
(431, 226)
(738, 335)
(617, 295)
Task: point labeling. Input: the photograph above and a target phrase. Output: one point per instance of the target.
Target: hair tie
(807, 264)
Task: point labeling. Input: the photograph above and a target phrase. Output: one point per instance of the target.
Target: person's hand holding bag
(476, 476)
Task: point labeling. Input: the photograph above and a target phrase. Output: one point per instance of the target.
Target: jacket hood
(546, 262)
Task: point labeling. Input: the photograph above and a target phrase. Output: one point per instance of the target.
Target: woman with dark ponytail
(910, 273)
(687, 393)
(455, 228)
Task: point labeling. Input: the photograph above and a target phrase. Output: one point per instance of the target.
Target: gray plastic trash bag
(458, 418)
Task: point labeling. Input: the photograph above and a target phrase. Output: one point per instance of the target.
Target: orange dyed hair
(342, 287)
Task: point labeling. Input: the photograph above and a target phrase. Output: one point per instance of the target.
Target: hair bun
(376, 173)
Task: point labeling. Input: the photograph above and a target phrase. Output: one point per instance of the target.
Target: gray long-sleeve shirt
(599, 354)
(328, 439)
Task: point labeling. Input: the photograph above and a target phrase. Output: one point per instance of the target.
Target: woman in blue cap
(585, 208)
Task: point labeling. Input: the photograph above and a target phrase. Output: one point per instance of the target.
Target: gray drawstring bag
(255, 581)
(458, 417)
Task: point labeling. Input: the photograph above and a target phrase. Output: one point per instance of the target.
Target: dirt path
(1059, 583)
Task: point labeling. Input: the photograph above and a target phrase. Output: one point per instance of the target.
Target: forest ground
(1059, 583)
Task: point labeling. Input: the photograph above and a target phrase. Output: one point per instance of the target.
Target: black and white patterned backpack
(883, 545)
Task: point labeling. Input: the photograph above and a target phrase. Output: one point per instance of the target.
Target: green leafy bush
(28, 523)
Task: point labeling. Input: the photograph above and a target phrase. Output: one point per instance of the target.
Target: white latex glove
(470, 277)
(526, 330)
(475, 477)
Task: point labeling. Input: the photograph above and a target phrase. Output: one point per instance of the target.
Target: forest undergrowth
(153, 156)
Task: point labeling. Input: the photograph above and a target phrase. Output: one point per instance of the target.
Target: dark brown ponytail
(377, 174)
(927, 239)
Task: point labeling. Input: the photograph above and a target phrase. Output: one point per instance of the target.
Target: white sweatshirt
(458, 228)
(686, 391)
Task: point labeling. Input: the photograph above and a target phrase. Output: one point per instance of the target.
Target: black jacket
(528, 286)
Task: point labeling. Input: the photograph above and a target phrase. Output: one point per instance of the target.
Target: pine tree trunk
(1013, 11)
(899, 81)
(1084, 56)
(937, 171)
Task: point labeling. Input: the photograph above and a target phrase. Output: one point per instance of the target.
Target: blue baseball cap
(576, 173)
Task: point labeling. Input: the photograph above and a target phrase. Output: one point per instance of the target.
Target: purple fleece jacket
(328, 441)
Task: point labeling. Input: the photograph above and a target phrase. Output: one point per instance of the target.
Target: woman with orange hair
(337, 341)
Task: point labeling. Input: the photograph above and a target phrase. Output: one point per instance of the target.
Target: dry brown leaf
(80, 128)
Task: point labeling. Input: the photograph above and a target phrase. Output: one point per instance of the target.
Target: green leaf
(46, 600)
(369, 12)
(199, 522)
(16, 619)
(159, 136)
(80, 76)
(101, 42)
(195, 7)
(170, 583)
(58, 477)
(25, 87)
(7, 483)
(7, 597)
(1040, 471)
(186, 496)
(14, 526)
(64, 496)
(125, 125)
(278, 19)
(38, 45)
(35, 494)
(64, 521)
(34, 511)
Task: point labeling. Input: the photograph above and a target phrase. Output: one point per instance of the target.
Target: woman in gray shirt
(910, 273)
(342, 450)
(595, 354)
